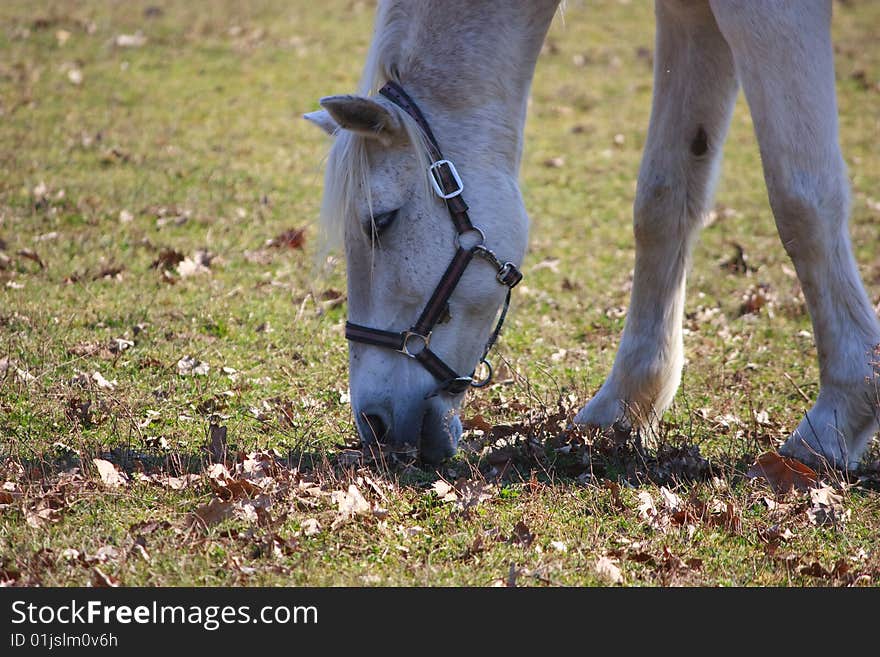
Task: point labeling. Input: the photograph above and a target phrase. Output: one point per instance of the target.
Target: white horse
(468, 65)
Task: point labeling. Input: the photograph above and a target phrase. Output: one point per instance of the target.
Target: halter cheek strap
(415, 342)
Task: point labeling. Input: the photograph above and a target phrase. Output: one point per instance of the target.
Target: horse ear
(323, 120)
(362, 115)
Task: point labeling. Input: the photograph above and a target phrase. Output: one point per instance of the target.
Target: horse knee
(810, 211)
(660, 212)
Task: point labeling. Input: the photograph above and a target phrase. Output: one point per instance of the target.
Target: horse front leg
(695, 89)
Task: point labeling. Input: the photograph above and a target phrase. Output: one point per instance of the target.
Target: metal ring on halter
(405, 350)
(472, 229)
(482, 383)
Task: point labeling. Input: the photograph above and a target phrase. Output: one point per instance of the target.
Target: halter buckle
(407, 336)
(438, 182)
(509, 275)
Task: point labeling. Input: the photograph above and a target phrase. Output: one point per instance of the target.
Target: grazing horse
(439, 118)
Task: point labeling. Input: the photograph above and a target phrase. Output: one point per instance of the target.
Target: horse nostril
(376, 425)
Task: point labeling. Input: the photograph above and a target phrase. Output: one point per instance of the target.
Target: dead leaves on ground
(674, 512)
(464, 494)
(783, 473)
(174, 265)
(261, 489)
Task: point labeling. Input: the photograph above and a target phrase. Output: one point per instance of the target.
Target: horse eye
(380, 223)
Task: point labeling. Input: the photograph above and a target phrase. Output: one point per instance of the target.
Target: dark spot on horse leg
(700, 143)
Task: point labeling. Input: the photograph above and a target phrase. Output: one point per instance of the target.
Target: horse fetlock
(836, 431)
(636, 399)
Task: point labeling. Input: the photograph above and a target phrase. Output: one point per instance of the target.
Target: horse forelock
(346, 187)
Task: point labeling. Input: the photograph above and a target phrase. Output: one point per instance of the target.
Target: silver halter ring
(484, 381)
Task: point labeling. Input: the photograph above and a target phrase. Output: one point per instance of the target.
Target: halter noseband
(415, 341)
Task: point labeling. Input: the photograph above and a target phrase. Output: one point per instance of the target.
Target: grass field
(173, 406)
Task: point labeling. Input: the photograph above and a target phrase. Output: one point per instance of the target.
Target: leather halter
(415, 341)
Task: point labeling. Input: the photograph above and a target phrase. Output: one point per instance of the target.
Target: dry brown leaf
(783, 473)
(40, 517)
(471, 493)
(827, 507)
(444, 490)
(671, 501)
(111, 477)
(168, 259)
(188, 365)
(179, 483)
(350, 503)
(189, 267)
(9, 492)
(102, 579)
(608, 571)
(725, 514)
(310, 526)
(522, 536)
(465, 494)
(294, 238)
(211, 513)
(477, 422)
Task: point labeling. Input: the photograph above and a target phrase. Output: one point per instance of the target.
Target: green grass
(195, 138)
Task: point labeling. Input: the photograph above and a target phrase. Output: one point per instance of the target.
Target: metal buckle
(405, 350)
(436, 180)
(504, 271)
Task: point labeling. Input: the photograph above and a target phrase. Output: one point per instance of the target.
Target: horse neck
(469, 65)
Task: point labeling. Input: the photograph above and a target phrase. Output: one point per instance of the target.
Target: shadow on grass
(544, 446)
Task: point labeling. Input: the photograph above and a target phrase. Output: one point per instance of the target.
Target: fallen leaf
(647, 510)
(211, 513)
(176, 483)
(102, 579)
(135, 40)
(103, 383)
(310, 527)
(521, 536)
(444, 490)
(41, 516)
(725, 514)
(168, 259)
(608, 571)
(477, 422)
(188, 365)
(70, 554)
(827, 507)
(471, 493)
(671, 501)
(189, 267)
(292, 239)
(783, 473)
(104, 553)
(350, 503)
(110, 475)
